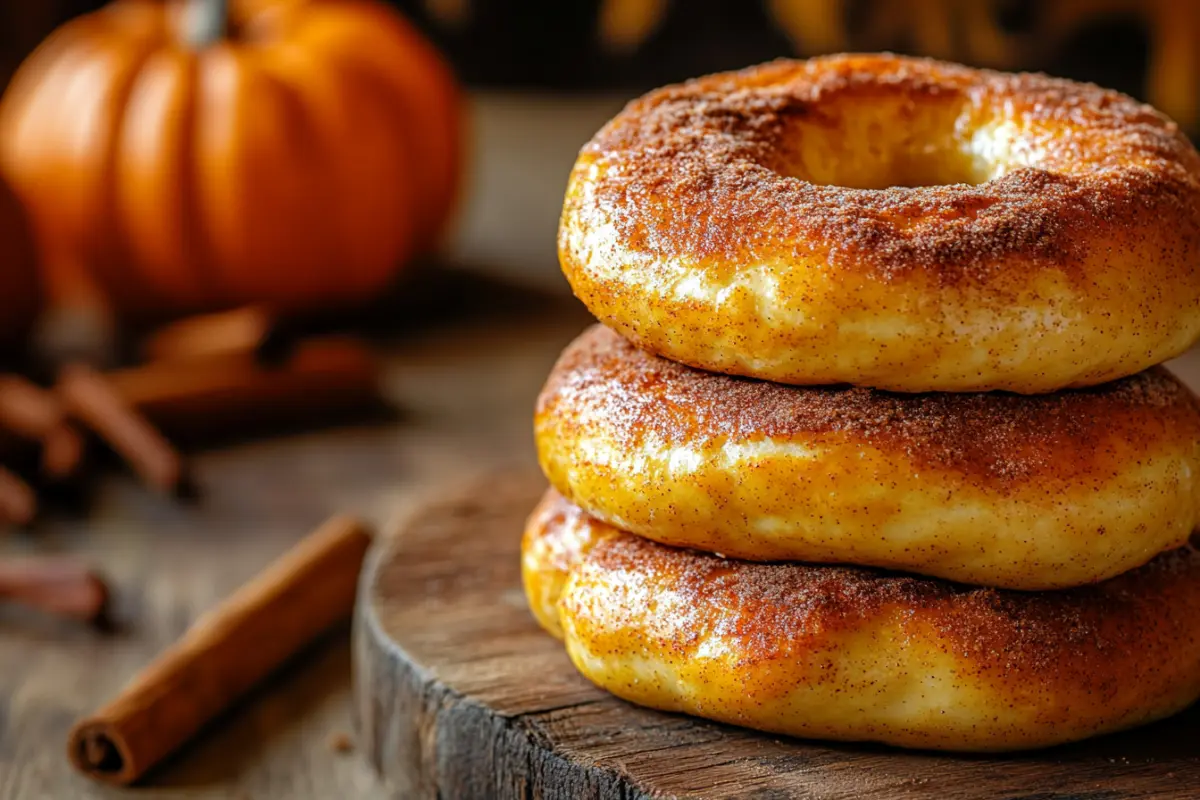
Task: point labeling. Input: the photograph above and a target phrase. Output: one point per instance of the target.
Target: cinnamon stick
(322, 376)
(236, 332)
(55, 585)
(93, 400)
(27, 409)
(226, 652)
(37, 414)
(62, 452)
(18, 504)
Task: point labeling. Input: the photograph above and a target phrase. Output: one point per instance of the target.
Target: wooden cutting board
(459, 694)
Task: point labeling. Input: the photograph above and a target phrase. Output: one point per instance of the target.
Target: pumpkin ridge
(115, 273)
(197, 247)
(354, 78)
(419, 83)
(308, 135)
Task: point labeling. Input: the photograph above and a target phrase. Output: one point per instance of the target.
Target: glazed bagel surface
(996, 489)
(861, 655)
(891, 222)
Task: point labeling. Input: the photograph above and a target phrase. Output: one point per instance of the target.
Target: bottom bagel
(862, 655)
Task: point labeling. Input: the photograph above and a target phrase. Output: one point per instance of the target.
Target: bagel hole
(884, 144)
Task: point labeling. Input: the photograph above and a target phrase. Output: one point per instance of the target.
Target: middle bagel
(1023, 492)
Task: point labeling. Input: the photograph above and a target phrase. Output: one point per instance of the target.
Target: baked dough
(855, 654)
(998, 489)
(891, 222)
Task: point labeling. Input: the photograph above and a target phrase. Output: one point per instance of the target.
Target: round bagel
(855, 654)
(998, 489)
(891, 222)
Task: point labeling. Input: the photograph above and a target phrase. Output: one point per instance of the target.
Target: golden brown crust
(1031, 632)
(714, 149)
(1024, 492)
(1026, 630)
(997, 437)
(699, 222)
(1028, 669)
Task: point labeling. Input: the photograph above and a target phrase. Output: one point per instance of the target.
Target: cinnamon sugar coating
(1028, 492)
(860, 654)
(776, 223)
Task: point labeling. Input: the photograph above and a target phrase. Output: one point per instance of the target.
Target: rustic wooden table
(464, 393)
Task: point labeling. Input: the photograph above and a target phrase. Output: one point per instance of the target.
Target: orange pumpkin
(179, 156)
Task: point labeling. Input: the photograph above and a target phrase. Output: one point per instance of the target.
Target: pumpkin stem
(205, 22)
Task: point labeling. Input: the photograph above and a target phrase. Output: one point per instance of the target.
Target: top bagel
(892, 222)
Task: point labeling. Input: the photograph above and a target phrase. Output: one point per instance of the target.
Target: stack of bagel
(872, 443)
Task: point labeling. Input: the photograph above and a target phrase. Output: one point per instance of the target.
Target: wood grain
(460, 694)
(463, 389)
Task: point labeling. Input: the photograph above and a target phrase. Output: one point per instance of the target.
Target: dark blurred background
(632, 45)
